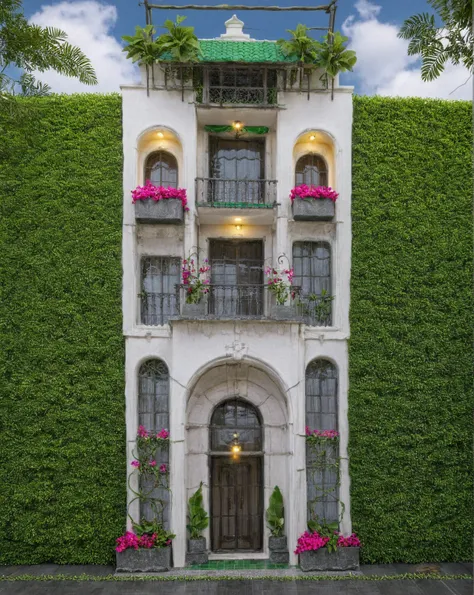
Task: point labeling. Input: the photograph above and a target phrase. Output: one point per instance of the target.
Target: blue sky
(383, 66)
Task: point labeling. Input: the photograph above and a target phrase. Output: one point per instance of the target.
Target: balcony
(218, 199)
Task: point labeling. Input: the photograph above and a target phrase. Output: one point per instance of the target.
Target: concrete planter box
(313, 209)
(197, 553)
(194, 310)
(144, 560)
(284, 312)
(278, 547)
(169, 210)
(344, 558)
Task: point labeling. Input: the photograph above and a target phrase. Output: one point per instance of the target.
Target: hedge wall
(410, 401)
(62, 415)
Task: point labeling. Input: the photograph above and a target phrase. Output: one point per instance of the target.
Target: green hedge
(410, 353)
(62, 430)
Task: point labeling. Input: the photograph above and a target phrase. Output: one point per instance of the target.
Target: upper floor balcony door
(236, 171)
(236, 278)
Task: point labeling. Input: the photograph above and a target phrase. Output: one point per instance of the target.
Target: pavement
(54, 579)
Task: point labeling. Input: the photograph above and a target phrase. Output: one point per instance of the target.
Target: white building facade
(237, 371)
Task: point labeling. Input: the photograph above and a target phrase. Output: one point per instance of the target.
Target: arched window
(153, 414)
(153, 391)
(161, 168)
(322, 474)
(312, 266)
(311, 169)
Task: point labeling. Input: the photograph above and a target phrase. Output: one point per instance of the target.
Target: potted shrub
(198, 521)
(279, 283)
(277, 543)
(157, 204)
(195, 286)
(324, 548)
(146, 549)
(313, 203)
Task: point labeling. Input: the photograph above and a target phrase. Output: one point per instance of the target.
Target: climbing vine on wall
(153, 475)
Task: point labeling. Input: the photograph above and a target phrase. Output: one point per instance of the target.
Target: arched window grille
(161, 168)
(322, 462)
(311, 169)
(153, 414)
(236, 417)
(312, 267)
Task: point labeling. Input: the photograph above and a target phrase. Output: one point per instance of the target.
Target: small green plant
(331, 531)
(317, 307)
(161, 537)
(141, 47)
(179, 44)
(198, 517)
(276, 513)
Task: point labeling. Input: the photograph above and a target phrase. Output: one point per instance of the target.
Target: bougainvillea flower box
(322, 559)
(313, 203)
(157, 204)
(314, 553)
(144, 560)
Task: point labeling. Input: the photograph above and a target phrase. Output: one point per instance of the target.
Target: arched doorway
(236, 465)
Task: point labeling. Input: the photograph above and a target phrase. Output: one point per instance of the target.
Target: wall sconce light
(237, 125)
(312, 138)
(236, 447)
(238, 223)
(160, 134)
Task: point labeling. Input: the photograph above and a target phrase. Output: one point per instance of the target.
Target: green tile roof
(216, 50)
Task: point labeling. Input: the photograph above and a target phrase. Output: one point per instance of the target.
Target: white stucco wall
(258, 360)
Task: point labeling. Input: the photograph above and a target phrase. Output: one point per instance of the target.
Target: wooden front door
(236, 504)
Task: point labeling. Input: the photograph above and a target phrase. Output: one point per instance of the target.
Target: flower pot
(197, 553)
(194, 310)
(278, 547)
(144, 560)
(344, 558)
(280, 312)
(313, 209)
(169, 210)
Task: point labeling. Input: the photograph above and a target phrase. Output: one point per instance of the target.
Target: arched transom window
(161, 168)
(236, 417)
(322, 461)
(311, 169)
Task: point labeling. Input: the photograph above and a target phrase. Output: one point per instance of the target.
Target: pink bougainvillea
(163, 468)
(304, 191)
(149, 191)
(314, 541)
(331, 434)
(310, 541)
(163, 434)
(130, 540)
(351, 541)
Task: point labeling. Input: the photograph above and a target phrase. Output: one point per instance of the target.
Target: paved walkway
(289, 581)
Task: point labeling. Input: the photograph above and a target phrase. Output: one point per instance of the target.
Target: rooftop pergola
(255, 56)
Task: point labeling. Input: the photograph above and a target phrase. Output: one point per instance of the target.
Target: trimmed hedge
(63, 475)
(410, 352)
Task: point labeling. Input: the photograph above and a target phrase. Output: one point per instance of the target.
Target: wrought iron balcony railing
(232, 301)
(236, 193)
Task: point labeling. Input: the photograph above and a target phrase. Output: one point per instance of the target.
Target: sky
(383, 66)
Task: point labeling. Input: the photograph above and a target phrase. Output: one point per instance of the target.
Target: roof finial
(234, 30)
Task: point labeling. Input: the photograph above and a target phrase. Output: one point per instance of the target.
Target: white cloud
(384, 66)
(367, 10)
(88, 24)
